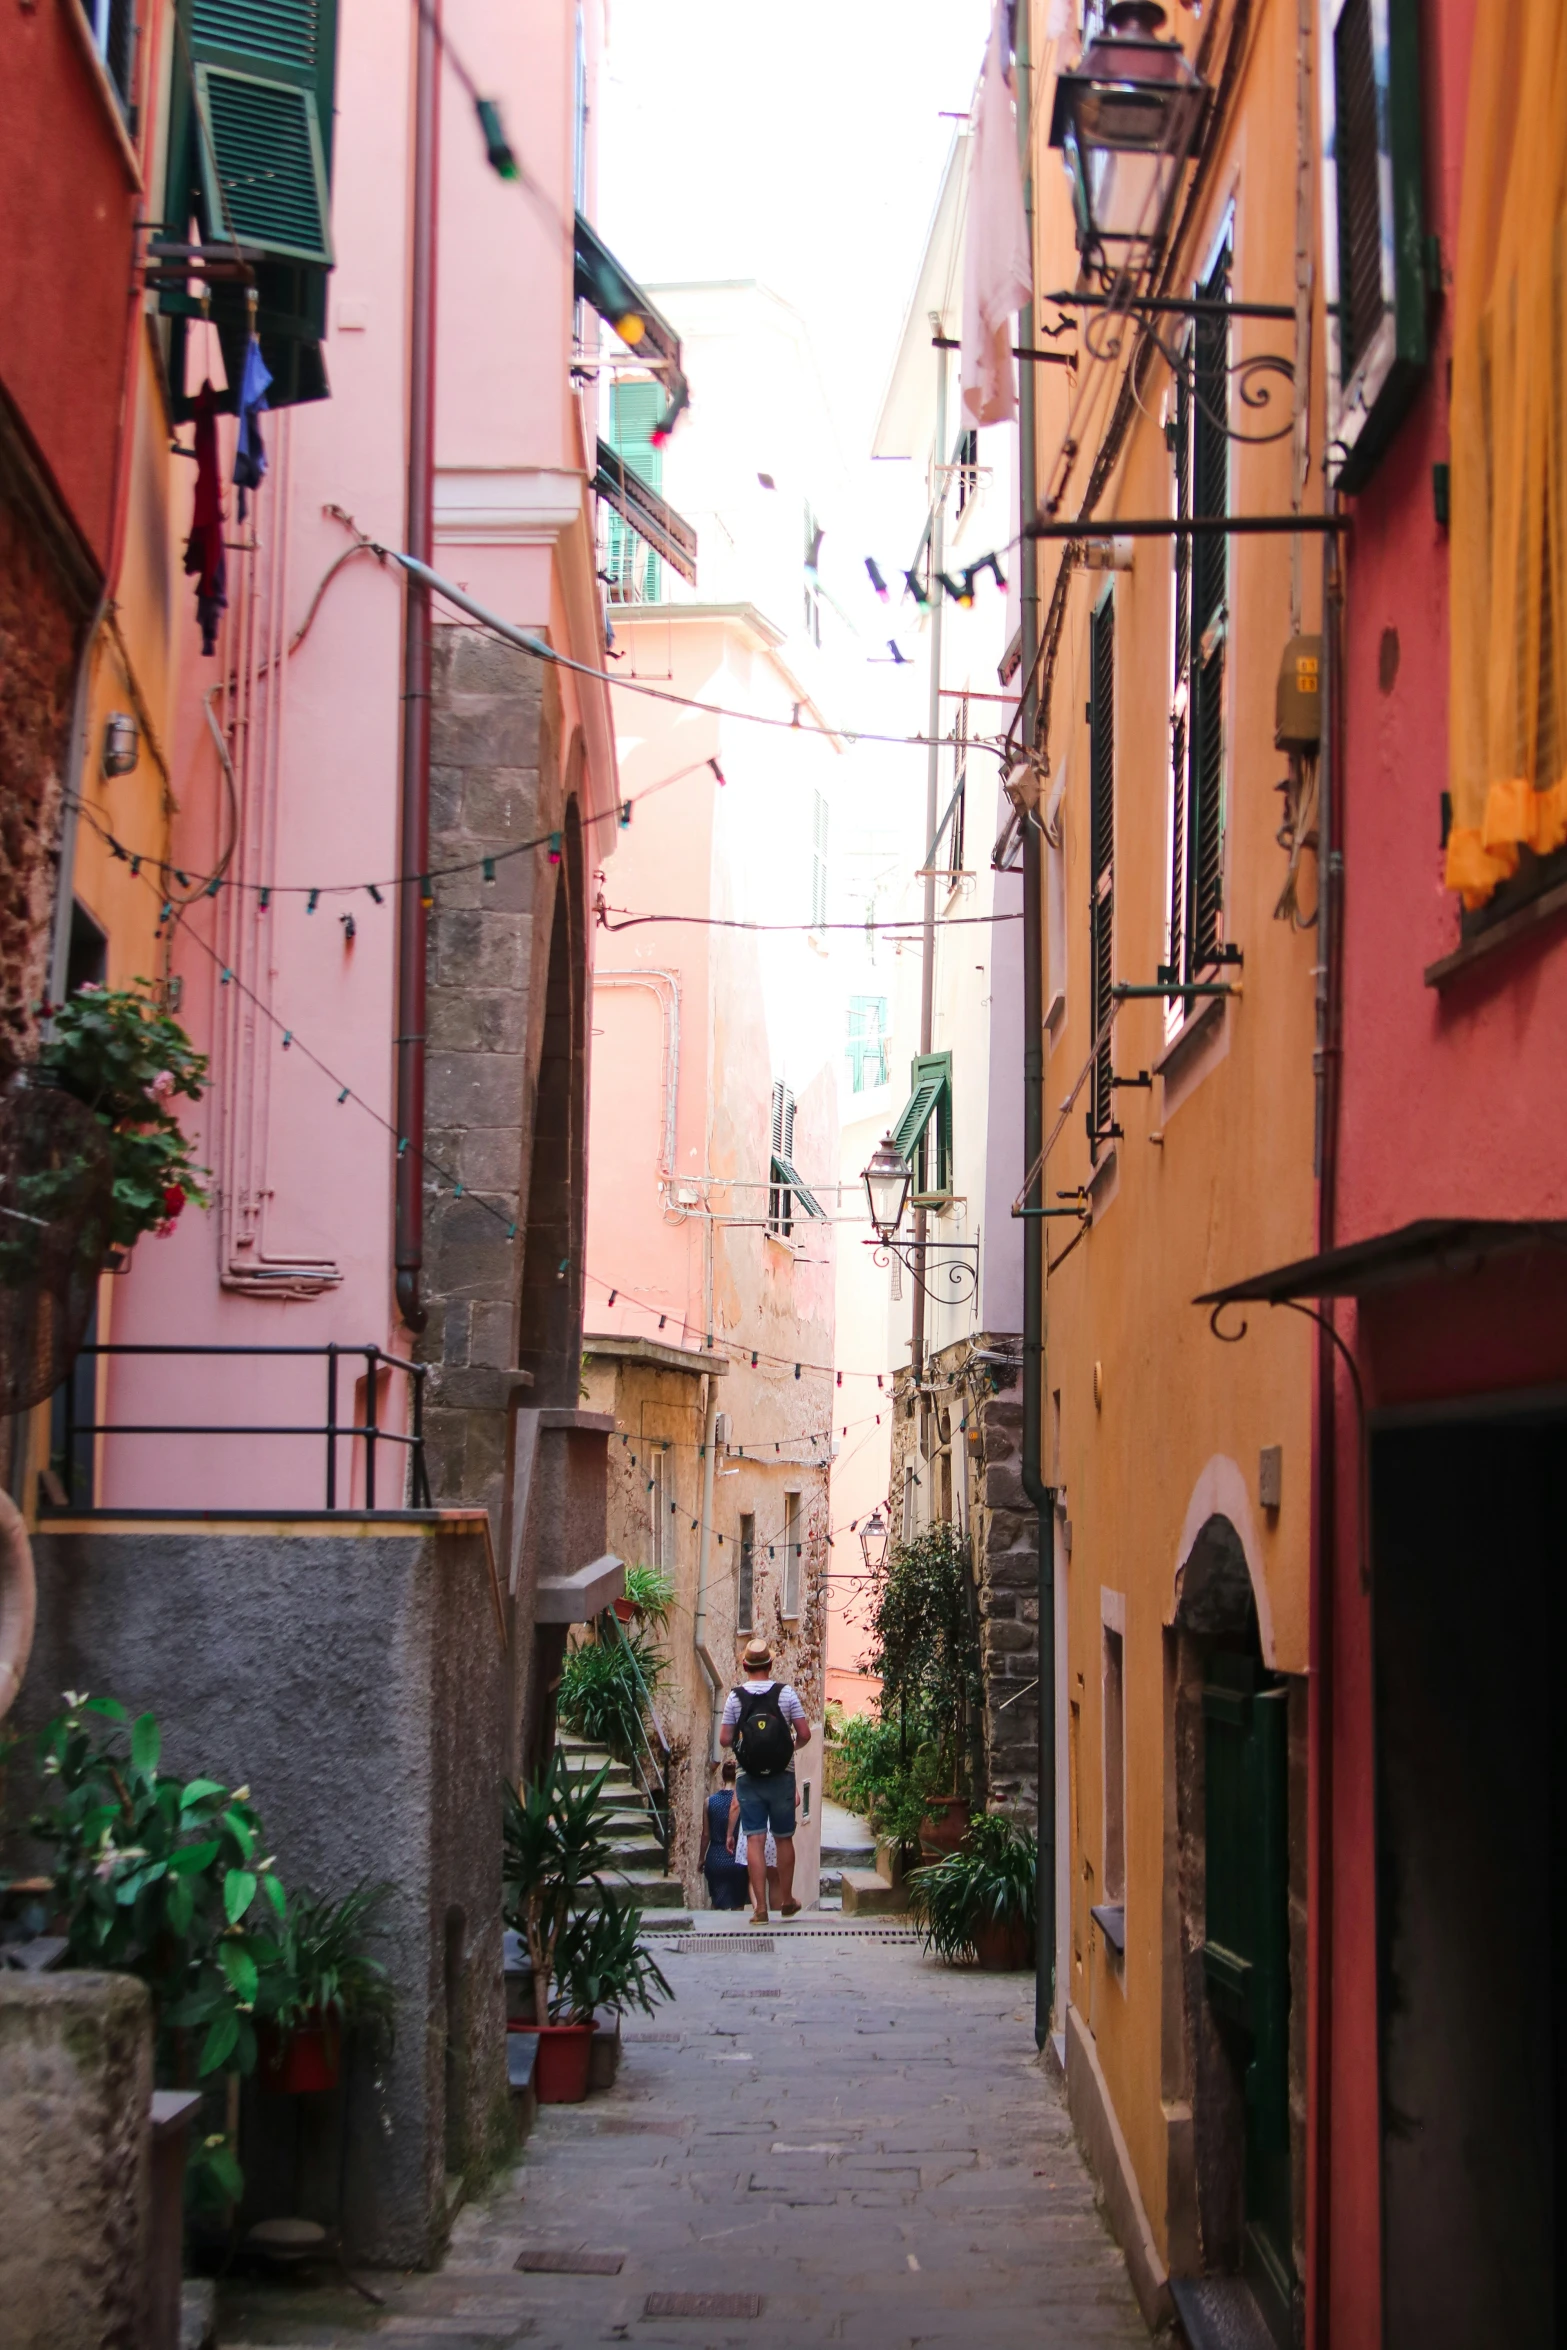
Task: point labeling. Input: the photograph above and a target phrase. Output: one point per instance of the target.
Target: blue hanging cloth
(250, 458)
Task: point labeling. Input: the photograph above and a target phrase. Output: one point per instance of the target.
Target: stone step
(867, 1895)
(830, 1902)
(848, 1856)
(652, 1889)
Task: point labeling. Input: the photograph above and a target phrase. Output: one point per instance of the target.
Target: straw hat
(757, 1654)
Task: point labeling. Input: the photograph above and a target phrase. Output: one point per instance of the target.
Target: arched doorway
(1233, 1887)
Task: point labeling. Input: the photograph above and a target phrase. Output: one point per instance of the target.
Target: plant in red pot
(601, 1969)
(558, 1844)
(322, 1981)
(978, 1904)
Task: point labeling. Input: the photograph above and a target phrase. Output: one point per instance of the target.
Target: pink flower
(162, 1085)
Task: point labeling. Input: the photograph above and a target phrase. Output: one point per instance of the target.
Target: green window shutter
(251, 109)
(635, 410)
(1374, 248)
(1210, 477)
(263, 167)
(1101, 854)
(930, 1101)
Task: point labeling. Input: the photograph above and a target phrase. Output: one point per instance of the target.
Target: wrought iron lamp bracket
(960, 1264)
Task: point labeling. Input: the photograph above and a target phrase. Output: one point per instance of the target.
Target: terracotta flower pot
(560, 2076)
(945, 1826)
(301, 2061)
(1002, 1949)
(624, 1608)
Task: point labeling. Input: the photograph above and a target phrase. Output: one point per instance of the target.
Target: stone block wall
(495, 781)
(75, 2168)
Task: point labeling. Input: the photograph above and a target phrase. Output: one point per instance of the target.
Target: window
(923, 1134)
(1200, 451)
(658, 1510)
(794, 1527)
(813, 593)
(1055, 903)
(1507, 773)
(818, 862)
(958, 809)
(249, 158)
(868, 1041)
(1113, 1692)
(966, 467)
(1101, 861)
(745, 1584)
(785, 1192)
(113, 25)
(1373, 245)
(635, 410)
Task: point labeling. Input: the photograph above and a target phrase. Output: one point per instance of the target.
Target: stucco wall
(353, 1680)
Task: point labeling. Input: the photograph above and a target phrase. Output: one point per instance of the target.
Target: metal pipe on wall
(1040, 1496)
(938, 558)
(412, 927)
(704, 1655)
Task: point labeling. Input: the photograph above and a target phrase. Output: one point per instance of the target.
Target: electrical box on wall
(1297, 724)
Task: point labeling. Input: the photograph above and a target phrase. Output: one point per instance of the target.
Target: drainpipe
(699, 1621)
(938, 561)
(1041, 1497)
(412, 926)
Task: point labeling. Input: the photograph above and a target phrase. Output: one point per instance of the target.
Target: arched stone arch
(1220, 1493)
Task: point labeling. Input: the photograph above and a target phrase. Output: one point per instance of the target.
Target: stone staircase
(836, 1859)
(638, 1853)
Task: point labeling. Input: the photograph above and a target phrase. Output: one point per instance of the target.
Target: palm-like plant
(322, 1968)
(989, 1886)
(600, 1962)
(557, 1844)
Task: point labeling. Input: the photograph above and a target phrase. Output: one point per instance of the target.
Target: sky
(803, 147)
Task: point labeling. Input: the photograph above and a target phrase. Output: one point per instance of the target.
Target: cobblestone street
(835, 2135)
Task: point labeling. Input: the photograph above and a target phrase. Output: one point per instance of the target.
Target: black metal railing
(651, 1758)
(75, 1433)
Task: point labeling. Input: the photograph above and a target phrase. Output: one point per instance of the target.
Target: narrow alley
(825, 2131)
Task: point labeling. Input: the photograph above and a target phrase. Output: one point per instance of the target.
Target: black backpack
(764, 1742)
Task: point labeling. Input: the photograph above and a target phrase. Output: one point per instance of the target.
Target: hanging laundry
(204, 556)
(250, 457)
(997, 270)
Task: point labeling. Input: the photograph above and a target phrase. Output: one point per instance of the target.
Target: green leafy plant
(322, 1967)
(652, 1594)
(600, 1696)
(991, 1884)
(924, 1626)
(558, 1842)
(123, 1056)
(601, 1962)
(161, 1877)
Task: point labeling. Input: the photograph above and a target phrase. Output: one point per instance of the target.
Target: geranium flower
(173, 1199)
(162, 1085)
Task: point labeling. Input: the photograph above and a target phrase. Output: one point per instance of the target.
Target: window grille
(745, 1585)
(793, 1529)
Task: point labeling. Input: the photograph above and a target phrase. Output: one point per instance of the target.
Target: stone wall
(966, 1450)
(354, 1679)
(46, 595)
(75, 2174)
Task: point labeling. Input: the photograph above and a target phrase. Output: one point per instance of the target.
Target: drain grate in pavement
(706, 1945)
(555, 2260)
(670, 2039)
(760, 1991)
(702, 2305)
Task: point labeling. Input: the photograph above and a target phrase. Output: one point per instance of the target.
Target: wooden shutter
(635, 410)
(1210, 463)
(1101, 851)
(1374, 246)
(1180, 700)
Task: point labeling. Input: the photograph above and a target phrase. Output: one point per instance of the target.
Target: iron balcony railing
(76, 1432)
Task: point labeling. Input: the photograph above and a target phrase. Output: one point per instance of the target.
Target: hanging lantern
(886, 1182)
(873, 1540)
(1126, 120)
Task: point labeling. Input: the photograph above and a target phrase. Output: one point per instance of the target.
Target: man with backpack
(765, 1722)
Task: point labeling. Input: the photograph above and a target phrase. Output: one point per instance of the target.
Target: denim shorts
(766, 1803)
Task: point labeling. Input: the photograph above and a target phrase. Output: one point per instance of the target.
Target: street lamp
(873, 1541)
(886, 1182)
(1126, 119)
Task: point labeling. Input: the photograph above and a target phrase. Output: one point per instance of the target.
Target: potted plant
(603, 1685)
(601, 1964)
(979, 1903)
(648, 1598)
(122, 1055)
(557, 1844)
(321, 1980)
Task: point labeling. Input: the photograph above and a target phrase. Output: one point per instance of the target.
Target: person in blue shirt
(727, 1883)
